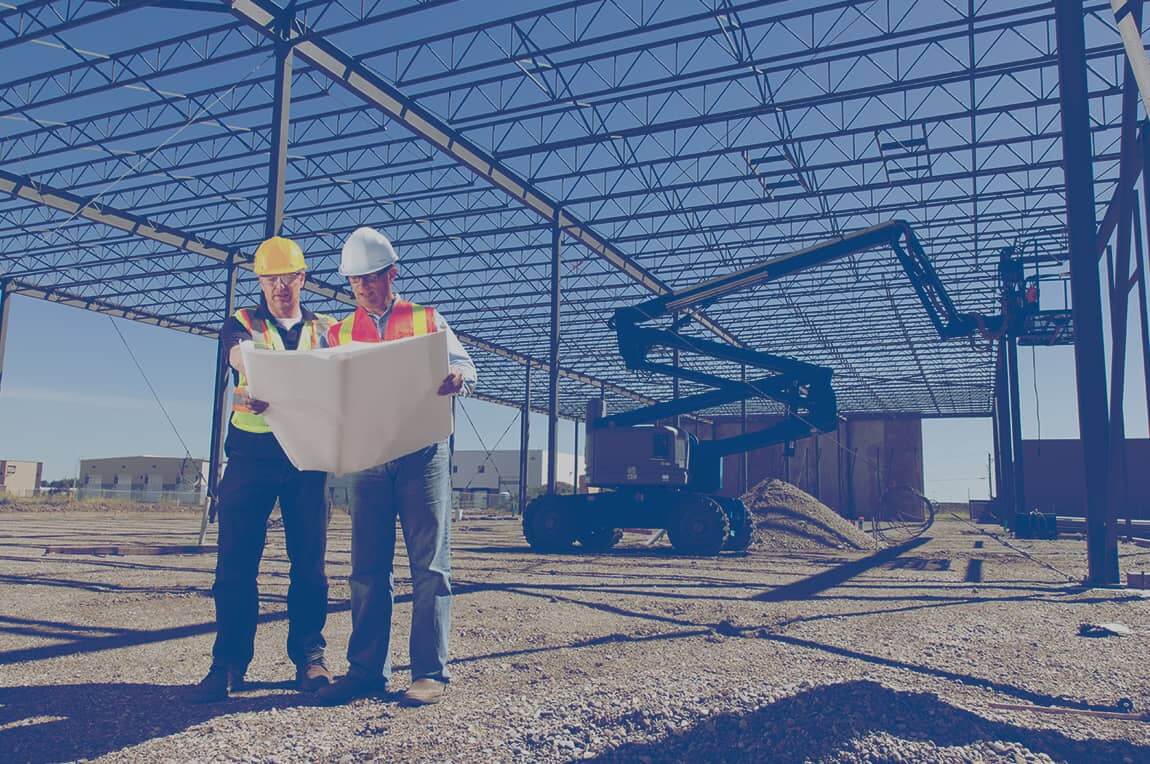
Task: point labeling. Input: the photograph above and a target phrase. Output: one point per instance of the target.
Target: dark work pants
(247, 495)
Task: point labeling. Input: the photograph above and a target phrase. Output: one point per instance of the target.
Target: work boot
(424, 692)
(312, 677)
(215, 686)
(348, 688)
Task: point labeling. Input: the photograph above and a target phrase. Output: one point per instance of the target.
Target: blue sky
(70, 390)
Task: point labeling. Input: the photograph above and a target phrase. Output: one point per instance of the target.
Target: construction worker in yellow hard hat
(258, 474)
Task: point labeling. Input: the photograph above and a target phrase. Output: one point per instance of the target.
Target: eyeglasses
(286, 279)
(369, 276)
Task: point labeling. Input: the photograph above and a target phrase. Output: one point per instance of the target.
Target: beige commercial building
(144, 478)
(20, 478)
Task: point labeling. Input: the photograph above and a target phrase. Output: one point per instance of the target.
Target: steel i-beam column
(219, 407)
(1017, 482)
(5, 304)
(1144, 320)
(281, 110)
(524, 436)
(1002, 438)
(996, 466)
(1089, 353)
(575, 469)
(744, 457)
(1118, 288)
(1120, 296)
(553, 372)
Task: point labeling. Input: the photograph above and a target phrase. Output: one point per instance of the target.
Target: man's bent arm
(457, 357)
(232, 333)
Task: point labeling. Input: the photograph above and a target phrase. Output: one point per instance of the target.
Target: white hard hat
(366, 251)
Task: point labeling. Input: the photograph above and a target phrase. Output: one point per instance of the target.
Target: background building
(482, 479)
(144, 478)
(868, 467)
(18, 478)
(1055, 482)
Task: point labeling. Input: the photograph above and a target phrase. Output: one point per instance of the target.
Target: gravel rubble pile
(628, 656)
(788, 518)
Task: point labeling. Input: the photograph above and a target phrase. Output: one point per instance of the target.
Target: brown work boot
(215, 686)
(424, 692)
(312, 677)
(348, 688)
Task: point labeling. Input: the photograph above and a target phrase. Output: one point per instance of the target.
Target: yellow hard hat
(278, 255)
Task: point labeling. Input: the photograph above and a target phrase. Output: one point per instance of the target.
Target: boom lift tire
(547, 524)
(742, 526)
(698, 526)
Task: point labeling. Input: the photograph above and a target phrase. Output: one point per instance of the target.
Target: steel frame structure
(146, 146)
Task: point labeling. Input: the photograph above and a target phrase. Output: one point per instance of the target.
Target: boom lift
(653, 475)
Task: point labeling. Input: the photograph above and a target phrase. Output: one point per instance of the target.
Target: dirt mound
(786, 517)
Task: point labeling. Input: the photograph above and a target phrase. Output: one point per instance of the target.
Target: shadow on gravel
(79, 641)
(859, 721)
(122, 563)
(691, 629)
(83, 721)
(101, 588)
(578, 554)
(1023, 694)
(828, 579)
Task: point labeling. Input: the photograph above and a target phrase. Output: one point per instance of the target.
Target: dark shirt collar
(265, 313)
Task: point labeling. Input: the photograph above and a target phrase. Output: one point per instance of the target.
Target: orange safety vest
(406, 319)
(266, 335)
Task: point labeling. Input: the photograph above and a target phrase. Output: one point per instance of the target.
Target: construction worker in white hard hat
(415, 488)
(258, 474)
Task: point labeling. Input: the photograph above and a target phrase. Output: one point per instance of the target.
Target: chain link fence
(143, 495)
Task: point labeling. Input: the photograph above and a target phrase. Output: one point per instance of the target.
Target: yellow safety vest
(266, 335)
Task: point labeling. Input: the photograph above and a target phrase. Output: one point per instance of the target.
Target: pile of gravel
(788, 518)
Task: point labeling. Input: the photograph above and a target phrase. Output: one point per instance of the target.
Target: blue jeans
(417, 489)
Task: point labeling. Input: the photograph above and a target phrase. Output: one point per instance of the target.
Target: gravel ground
(636, 655)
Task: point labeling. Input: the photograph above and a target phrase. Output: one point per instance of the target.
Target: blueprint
(348, 408)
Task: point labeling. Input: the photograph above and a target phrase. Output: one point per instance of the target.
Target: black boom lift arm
(804, 388)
